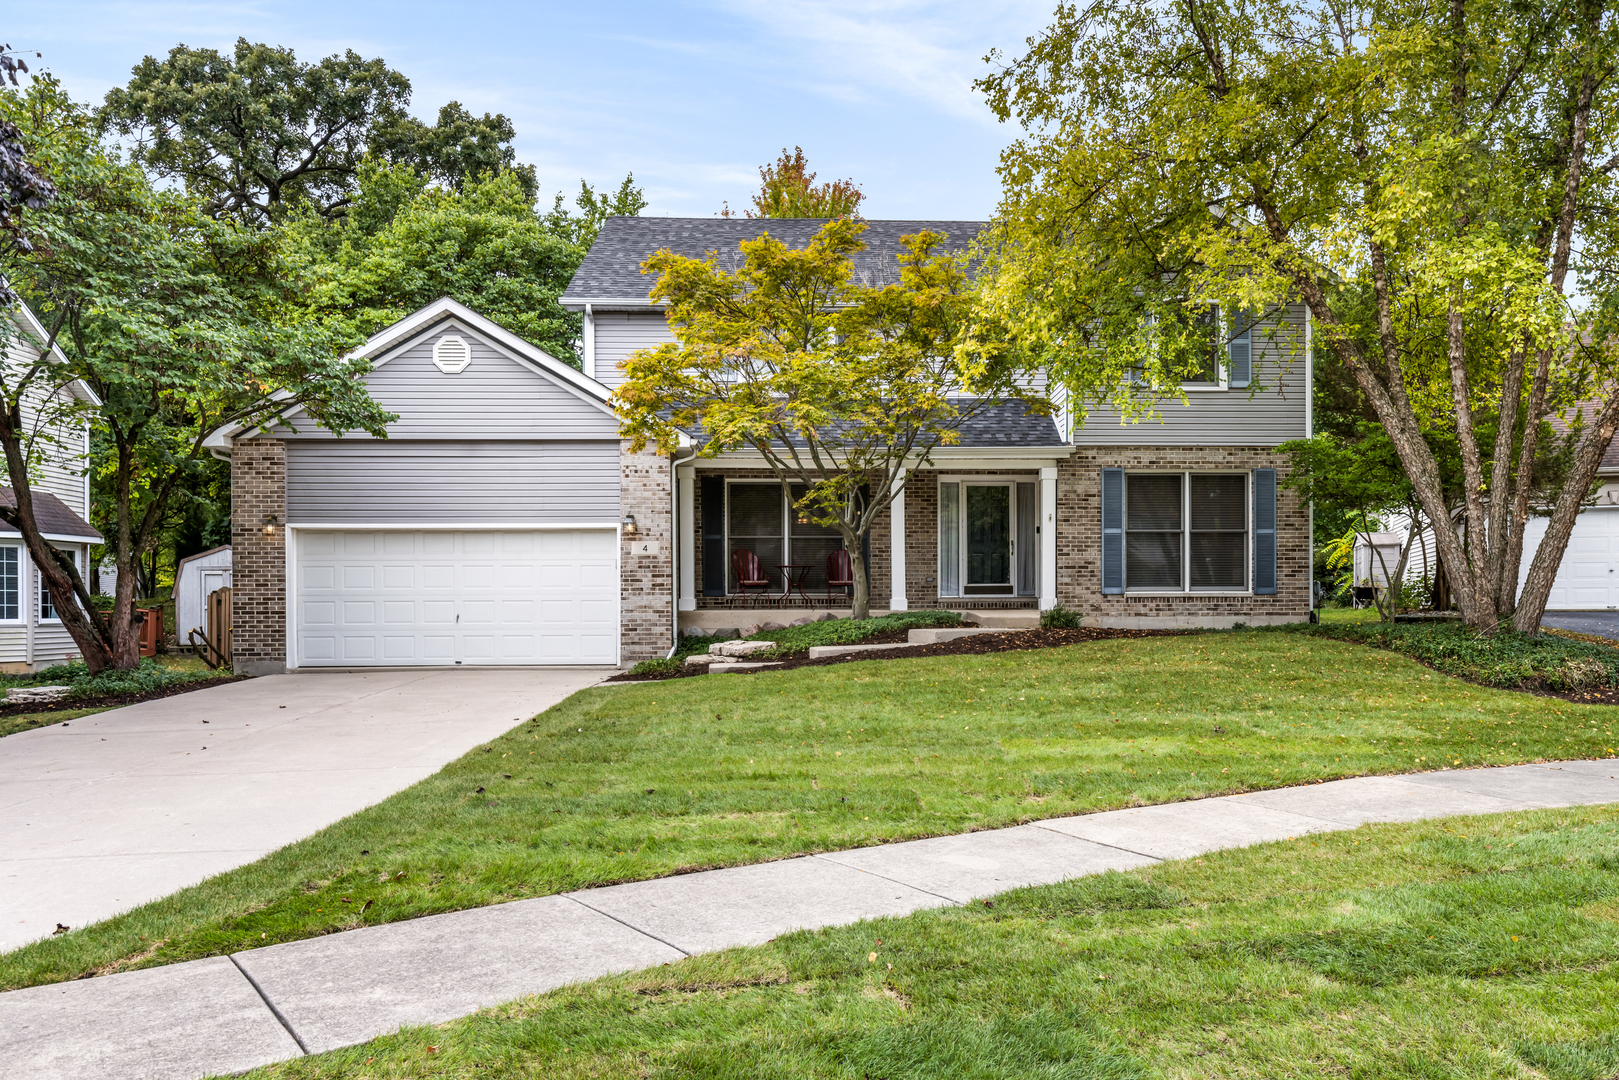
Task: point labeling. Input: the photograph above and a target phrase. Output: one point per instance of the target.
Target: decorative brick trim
(259, 559)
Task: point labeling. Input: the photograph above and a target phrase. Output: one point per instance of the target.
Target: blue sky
(691, 96)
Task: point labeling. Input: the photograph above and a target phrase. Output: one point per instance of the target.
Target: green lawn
(635, 781)
(10, 725)
(1477, 947)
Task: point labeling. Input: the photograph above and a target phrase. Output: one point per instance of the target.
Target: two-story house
(505, 522)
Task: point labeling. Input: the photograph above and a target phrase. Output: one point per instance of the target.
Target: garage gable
(448, 380)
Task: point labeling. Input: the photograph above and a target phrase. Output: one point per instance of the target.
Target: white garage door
(394, 598)
(1588, 579)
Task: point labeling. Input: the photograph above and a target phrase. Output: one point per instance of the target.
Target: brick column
(646, 580)
(258, 559)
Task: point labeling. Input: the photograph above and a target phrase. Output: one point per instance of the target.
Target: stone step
(1016, 619)
(821, 652)
(734, 666)
(932, 635)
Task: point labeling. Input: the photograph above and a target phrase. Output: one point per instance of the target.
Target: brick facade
(259, 558)
(647, 581)
(1079, 542)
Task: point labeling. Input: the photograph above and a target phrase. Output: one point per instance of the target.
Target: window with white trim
(47, 610)
(10, 583)
(1186, 532)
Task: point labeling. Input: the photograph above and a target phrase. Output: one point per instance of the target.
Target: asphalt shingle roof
(1006, 423)
(51, 515)
(612, 269)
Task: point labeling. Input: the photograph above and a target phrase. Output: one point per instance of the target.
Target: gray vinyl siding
(368, 481)
(619, 333)
(64, 443)
(495, 397)
(1272, 411)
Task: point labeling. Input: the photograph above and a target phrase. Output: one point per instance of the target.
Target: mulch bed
(108, 701)
(974, 645)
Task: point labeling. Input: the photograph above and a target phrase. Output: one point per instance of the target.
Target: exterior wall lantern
(629, 525)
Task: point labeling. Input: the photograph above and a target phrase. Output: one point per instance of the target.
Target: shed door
(392, 598)
(1586, 579)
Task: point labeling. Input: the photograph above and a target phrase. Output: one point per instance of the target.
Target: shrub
(659, 667)
(1505, 659)
(1061, 618)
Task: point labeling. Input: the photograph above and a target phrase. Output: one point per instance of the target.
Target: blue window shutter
(1265, 532)
(1239, 360)
(1112, 531)
(714, 571)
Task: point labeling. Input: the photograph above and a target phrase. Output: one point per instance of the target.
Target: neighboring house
(31, 633)
(194, 579)
(505, 522)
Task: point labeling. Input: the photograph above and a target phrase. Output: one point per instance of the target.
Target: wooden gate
(213, 644)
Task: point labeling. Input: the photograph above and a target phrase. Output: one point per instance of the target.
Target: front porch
(962, 538)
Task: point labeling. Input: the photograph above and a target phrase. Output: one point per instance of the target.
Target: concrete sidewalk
(228, 1014)
(109, 811)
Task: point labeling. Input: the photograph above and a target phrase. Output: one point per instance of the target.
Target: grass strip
(1474, 947)
(636, 781)
(11, 725)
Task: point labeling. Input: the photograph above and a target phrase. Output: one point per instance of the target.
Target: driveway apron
(104, 813)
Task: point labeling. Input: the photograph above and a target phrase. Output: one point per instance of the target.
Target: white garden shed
(196, 577)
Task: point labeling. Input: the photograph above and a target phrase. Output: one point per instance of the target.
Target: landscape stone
(766, 627)
(28, 694)
(802, 621)
(739, 648)
(700, 659)
(827, 616)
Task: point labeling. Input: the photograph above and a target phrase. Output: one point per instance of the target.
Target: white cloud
(927, 51)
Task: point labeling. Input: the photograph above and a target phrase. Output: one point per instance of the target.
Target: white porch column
(1048, 539)
(896, 546)
(685, 479)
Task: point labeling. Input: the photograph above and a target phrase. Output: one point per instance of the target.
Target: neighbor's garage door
(1586, 580)
(398, 598)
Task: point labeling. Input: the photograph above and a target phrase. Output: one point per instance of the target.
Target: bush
(1505, 659)
(148, 676)
(659, 667)
(1061, 618)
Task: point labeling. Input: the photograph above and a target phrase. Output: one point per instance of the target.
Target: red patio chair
(750, 578)
(839, 571)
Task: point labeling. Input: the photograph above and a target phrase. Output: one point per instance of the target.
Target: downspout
(1309, 433)
(675, 461)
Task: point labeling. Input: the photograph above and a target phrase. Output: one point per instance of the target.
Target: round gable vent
(451, 355)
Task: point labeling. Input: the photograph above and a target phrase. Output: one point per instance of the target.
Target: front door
(988, 525)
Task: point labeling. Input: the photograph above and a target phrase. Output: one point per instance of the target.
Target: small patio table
(794, 580)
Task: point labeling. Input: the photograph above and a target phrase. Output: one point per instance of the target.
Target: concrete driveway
(106, 812)
(1601, 623)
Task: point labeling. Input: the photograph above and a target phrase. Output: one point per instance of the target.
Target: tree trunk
(66, 585)
(861, 605)
(1537, 586)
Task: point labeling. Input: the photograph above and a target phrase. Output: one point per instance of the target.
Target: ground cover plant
(1473, 947)
(1507, 658)
(635, 781)
(171, 674)
(797, 640)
